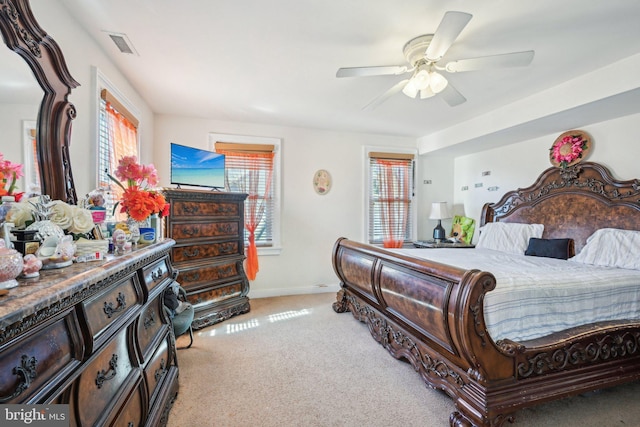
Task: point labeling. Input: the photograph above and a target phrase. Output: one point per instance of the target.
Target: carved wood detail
(23, 35)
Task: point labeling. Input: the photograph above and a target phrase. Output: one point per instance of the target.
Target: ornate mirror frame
(23, 35)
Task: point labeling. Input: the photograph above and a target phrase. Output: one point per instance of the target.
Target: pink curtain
(258, 168)
(394, 201)
(124, 142)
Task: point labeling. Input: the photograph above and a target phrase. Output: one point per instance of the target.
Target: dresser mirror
(24, 36)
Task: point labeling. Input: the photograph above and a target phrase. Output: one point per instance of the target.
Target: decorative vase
(11, 264)
(46, 228)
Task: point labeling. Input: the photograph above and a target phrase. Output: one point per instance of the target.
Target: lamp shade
(439, 210)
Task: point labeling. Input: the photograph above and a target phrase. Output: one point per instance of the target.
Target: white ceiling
(275, 61)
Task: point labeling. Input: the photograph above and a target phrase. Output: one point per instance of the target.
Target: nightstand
(433, 244)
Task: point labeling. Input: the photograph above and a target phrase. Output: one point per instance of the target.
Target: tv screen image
(193, 166)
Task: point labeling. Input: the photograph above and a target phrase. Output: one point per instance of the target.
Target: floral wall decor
(570, 148)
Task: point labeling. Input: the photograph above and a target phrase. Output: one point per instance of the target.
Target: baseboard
(280, 292)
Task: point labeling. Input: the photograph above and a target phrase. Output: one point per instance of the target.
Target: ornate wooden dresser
(93, 336)
(208, 228)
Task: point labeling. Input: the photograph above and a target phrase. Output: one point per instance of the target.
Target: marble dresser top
(65, 284)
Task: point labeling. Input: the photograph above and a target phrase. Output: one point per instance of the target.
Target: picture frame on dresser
(208, 228)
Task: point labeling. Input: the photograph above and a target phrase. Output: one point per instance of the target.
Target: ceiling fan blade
(388, 94)
(371, 71)
(449, 29)
(451, 95)
(515, 59)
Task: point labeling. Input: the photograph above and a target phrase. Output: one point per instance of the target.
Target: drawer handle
(150, 320)
(228, 248)
(109, 373)
(26, 370)
(191, 254)
(161, 370)
(190, 231)
(131, 424)
(108, 306)
(193, 277)
(158, 275)
(192, 209)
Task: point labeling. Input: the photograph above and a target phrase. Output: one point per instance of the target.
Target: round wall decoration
(322, 182)
(570, 148)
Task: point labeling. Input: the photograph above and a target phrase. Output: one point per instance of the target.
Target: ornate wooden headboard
(571, 203)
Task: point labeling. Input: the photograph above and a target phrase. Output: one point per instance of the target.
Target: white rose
(82, 221)
(61, 214)
(19, 214)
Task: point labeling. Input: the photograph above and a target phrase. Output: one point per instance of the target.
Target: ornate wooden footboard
(432, 314)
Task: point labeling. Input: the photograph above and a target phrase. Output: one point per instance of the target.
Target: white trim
(414, 201)
(277, 143)
(29, 161)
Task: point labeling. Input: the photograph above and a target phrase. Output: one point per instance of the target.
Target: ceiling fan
(423, 53)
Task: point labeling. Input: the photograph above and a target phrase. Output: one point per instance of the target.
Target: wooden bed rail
(432, 315)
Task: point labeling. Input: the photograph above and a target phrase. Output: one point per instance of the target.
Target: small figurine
(32, 266)
(56, 252)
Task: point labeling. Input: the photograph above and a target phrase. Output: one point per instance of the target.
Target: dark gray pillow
(550, 248)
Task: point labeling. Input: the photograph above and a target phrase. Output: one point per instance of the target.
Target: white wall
(615, 144)
(11, 119)
(310, 223)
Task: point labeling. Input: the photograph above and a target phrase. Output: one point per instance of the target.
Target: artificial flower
(71, 218)
(9, 174)
(139, 202)
(61, 214)
(568, 149)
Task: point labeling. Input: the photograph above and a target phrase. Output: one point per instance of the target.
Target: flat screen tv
(193, 166)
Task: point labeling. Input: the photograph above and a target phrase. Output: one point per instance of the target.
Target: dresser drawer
(190, 209)
(131, 413)
(209, 250)
(156, 273)
(113, 306)
(215, 295)
(43, 357)
(194, 277)
(149, 326)
(158, 367)
(194, 230)
(100, 385)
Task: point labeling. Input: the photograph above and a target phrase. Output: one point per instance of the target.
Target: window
(252, 166)
(390, 206)
(117, 137)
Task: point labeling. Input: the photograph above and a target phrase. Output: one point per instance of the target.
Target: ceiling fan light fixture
(410, 89)
(421, 79)
(437, 82)
(426, 93)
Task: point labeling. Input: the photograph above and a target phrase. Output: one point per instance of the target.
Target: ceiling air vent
(123, 43)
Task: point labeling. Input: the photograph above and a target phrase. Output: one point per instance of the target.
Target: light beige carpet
(293, 361)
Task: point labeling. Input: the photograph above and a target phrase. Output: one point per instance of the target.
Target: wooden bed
(432, 314)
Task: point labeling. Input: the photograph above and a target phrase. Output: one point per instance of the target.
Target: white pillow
(611, 247)
(510, 237)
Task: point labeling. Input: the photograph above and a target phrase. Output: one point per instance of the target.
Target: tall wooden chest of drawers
(94, 337)
(208, 228)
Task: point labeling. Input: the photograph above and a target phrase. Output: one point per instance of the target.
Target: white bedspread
(536, 296)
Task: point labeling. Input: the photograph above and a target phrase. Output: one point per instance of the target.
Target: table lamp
(439, 211)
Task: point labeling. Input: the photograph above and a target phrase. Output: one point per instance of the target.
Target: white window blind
(403, 185)
(111, 149)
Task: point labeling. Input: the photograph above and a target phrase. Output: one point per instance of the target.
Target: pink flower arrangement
(9, 173)
(568, 149)
(138, 201)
